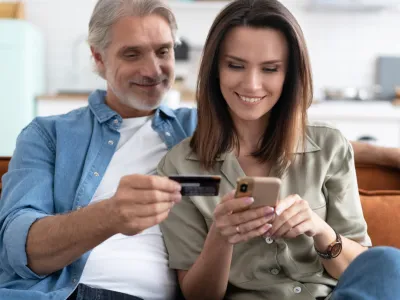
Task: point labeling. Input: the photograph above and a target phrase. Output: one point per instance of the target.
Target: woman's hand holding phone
(295, 217)
(236, 222)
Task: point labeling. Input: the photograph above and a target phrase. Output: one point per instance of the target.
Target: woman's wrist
(215, 236)
(325, 237)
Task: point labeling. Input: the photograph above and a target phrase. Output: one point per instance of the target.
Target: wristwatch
(334, 249)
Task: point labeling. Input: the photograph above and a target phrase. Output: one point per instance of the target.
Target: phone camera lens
(243, 188)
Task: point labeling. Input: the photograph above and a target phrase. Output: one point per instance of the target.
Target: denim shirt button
(167, 134)
(110, 142)
(96, 174)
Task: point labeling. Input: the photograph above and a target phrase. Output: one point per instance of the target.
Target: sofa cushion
(382, 213)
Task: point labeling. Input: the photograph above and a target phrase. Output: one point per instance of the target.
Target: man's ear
(98, 60)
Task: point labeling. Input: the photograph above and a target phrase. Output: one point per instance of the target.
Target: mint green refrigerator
(22, 78)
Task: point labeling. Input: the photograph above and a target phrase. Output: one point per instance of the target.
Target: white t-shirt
(135, 265)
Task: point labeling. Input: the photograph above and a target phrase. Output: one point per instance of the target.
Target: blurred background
(46, 66)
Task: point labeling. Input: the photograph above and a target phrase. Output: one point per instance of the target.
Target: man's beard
(131, 100)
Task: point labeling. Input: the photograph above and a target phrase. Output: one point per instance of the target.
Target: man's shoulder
(72, 116)
(186, 112)
(77, 117)
(185, 116)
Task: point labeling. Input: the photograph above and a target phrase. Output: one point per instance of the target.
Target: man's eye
(164, 52)
(130, 55)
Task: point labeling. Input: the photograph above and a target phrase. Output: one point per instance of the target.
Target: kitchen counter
(49, 105)
(358, 110)
(376, 121)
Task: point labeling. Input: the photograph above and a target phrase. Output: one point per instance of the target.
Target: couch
(379, 189)
(3, 168)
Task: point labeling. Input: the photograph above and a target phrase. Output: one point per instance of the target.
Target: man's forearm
(55, 242)
(208, 277)
(365, 153)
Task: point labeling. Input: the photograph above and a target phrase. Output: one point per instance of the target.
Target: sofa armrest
(4, 161)
(377, 178)
(381, 210)
(379, 189)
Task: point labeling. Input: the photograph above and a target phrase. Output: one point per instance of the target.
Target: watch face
(336, 249)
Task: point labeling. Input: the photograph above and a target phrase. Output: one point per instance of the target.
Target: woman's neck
(250, 134)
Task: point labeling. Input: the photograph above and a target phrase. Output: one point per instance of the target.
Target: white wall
(343, 46)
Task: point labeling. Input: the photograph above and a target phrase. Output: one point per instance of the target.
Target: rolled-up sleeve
(26, 197)
(185, 229)
(344, 213)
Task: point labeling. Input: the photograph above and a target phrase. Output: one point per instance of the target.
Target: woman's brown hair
(216, 133)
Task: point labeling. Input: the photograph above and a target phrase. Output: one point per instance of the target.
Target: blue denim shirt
(56, 168)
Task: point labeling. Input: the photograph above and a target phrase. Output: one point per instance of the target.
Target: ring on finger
(237, 229)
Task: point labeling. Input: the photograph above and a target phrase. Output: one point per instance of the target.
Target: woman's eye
(270, 70)
(235, 66)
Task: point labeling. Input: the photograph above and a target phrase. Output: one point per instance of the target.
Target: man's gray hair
(108, 12)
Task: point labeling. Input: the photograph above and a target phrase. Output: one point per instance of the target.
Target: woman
(254, 89)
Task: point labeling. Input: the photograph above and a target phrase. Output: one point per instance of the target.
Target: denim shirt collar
(98, 106)
(103, 112)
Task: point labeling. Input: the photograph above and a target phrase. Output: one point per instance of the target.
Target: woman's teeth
(250, 100)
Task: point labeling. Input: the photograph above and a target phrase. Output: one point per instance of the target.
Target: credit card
(198, 185)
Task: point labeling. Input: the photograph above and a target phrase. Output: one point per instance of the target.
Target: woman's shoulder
(177, 159)
(182, 149)
(327, 137)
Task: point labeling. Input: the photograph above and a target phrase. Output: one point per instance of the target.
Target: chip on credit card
(198, 185)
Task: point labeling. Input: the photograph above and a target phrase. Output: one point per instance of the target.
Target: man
(62, 164)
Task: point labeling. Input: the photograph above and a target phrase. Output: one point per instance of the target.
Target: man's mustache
(145, 80)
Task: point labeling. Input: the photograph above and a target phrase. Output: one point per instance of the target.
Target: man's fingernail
(249, 200)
